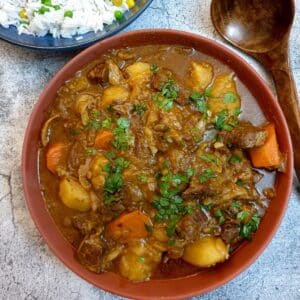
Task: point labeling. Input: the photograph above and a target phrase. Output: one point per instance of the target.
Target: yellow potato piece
(202, 75)
(206, 252)
(223, 84)
(73, 195)
(114, 94)
(139, 261)
(138, 73)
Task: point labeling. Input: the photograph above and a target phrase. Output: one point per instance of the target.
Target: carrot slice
(129, 225)
(55, 155)
(103, 139)
(267, 155)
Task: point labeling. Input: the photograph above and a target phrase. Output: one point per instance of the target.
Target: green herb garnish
(234, 159)
(166, 97)
(208, 174)
(139, 109)
(247, 229)
(219, 214)
(154, 68)
(229, 98)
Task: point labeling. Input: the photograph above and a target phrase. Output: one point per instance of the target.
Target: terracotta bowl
(155, 289)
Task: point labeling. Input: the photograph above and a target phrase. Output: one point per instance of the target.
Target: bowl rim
(120, 286)
(76, 45)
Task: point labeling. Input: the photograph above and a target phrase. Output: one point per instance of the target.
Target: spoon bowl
(256, 26)
(261, 28)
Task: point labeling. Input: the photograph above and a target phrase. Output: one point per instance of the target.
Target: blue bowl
(76, 42)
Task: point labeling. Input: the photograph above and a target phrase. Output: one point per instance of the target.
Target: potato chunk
(139, 261)
(224, 95)
(202, 75)
(114, 94)
(73, 195)
(206, 252)
(139, 73)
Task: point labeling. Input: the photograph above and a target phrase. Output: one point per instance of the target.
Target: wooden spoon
(261, 28)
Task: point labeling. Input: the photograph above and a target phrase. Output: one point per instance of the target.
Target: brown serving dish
(183, 287)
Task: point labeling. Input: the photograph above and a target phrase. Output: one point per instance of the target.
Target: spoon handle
(288, 100)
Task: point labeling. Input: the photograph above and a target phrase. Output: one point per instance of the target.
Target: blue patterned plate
(76, 42)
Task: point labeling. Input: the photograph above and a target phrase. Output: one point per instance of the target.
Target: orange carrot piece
(103, 139)
(129, 225)
(267, 155)
(54, 156)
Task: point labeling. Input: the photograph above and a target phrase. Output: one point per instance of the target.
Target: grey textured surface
(28, 269)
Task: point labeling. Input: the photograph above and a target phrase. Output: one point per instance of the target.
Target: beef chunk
(230, 233)
(99, 73)
(90, 252)
(245, 136)
(190, 226)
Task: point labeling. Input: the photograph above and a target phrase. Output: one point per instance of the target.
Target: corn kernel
(22, 13)
(130, 3)
(117, 2)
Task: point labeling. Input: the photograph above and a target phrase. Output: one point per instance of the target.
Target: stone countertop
(28, 269)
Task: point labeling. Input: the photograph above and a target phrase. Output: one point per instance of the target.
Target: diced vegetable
(129, 226)
(224, 96)
(55, 156)
(117, 2)
(73, 195)
(268, 155)
(139, 73)
(139, 261)
(103, 139)
(130, 3)
(202, 75)
(115, 93)
(206, 252)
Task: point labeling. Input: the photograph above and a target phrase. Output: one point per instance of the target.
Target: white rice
(88, 15)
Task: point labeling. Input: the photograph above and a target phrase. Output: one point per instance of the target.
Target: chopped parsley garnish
(141, 259)
(121, 164)
(208, 174)
(139, 109)
(106, 123)
(247, 229)
(166, 97)
(74, 131)
(225, 122)
(235, 205)
(95, 124)
(234, 159)
(240, 182)
(122, 137)
(171, 243)
(90, 152)
(114, 180)
(229, 98)
(68, 14)
(110, 155)
(208, 92)
(200, 102)
(113, 183)
(154, 68)
(143, 178)
(169, 205)
(211, 158)
(242, 215)
(190, 172)
(219, 214)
